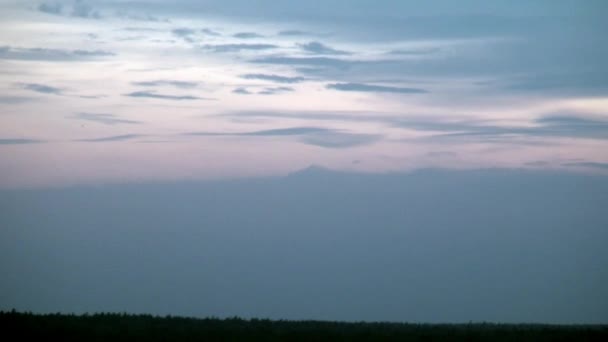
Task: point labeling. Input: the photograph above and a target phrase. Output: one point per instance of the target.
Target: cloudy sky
(114, 91)
(427, 161)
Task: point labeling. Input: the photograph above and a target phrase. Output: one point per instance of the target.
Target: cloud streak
(106, 119)
(172, 83)
(155, 95)
(321, 49)
(123, 137)
(44, 54)
(238, 47)
(42, 88)
(5, 141)
(360, 87)
(274, 78)
(309, 135)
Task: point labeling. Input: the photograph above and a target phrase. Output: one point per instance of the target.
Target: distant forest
(126, 327)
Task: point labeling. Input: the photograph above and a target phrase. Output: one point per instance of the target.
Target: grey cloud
(317, 136)
(414, 52)
(321, 49)
(210, 32)
(113, 138)
(19, 141)
(173, 83)
(142, 17)
(448, 128)
(247, 35)
(340, 140)
(242, 91)
(184, 33)
(273, 78)
(51, 8)
(15, 99)
(290, 33)
(265, 91)
(270, 132)
(42, 88)
(593, 165)
(360, 87)
(275, 90)
(238, 47)
(154, 95)
(550, 126)
(106, 119)
(314, 61)
(43, 54)
(82, 9)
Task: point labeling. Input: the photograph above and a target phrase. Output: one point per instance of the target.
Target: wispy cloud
(43, 54)
(113, 138)
(51, 8)
(247, 35)
(82, 9)
(42, 88)
(210, 32)
(321, 49)
(155, 95)
(5, 141)
(265, 91)
(360, 87)
(106, 119)
(592, 165)
(291, 33)
(184, 33)
(173, 83)
(238, 47)
(274, 78)
(310, 135)
(275, 90)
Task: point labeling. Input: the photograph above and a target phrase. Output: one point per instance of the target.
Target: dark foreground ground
(123, 327)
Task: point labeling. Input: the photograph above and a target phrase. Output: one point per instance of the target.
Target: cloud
(160, 83)
(81, 9)
(51, 8)
(43, 54)
(414, 52)
(274, 78)
(154, 95)
(360, 87)
(340, 140)
(270, 132)
(310, 135)
(305, 61)
(452, 128)
(113, 138)
(19, 141)
(15, 99)
(106, 119)
(184, 33)
(247, 35)
(275, 90)
(265, 91)
(290, 33)
(238, 47)
(592, 165)
(210, 32)
(242, 91)
(141, 17)
(42, 88)
(321, 49)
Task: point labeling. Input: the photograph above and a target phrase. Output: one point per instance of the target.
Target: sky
(120, 91)
(425, 161)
